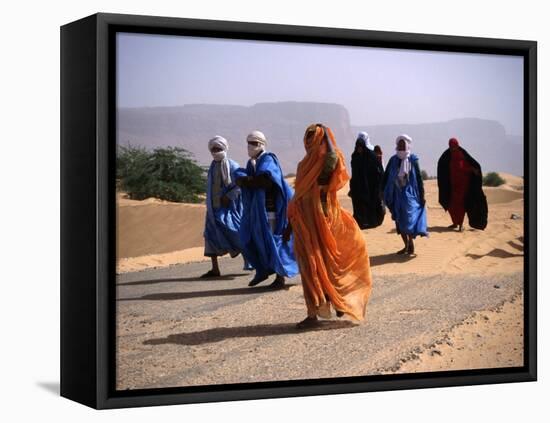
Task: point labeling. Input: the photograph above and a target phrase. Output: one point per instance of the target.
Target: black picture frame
(88, 209)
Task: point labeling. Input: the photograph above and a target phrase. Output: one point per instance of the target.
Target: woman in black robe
(366, 184)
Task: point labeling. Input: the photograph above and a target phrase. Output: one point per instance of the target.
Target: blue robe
(404, 202)
(262, 248)
(221, 229)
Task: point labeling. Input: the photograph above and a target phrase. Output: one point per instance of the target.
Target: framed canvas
(258, 211)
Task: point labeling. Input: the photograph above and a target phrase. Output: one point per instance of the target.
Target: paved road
(174, 329)
(182, 282)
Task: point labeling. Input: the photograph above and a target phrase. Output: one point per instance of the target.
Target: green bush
(166, 173)
(493, 179)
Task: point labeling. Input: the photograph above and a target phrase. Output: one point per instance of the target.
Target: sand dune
(512, 181)
(154, 233)
(157, 227)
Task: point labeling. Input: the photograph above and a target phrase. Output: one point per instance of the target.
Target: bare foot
(403, 251)
(210, 274)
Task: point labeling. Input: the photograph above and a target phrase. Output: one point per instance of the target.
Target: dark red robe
(465, 173)
(460, 171)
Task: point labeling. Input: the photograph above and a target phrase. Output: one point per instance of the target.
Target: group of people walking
(399, 187)
(280, 231)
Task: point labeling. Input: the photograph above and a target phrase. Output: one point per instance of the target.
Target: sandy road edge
(444, 354)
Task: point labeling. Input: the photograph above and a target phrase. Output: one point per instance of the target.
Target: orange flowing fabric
(330, 249)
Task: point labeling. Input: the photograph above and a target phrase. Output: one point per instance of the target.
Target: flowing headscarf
(364, 137)
(311, 165)
(221, 142)
(330, 248)
(404, 155)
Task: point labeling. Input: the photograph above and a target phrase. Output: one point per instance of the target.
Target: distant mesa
(191, 126)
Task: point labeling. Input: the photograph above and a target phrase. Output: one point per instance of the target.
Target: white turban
(405, 167)
(254, 151)
(406, 138)
(366, 139)
(221, 142)
(258, 137)
(218, 141)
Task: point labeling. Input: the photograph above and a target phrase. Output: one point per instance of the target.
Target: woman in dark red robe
(459, 181)
(460, 171)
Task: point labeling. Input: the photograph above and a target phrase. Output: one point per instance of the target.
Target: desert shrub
(493, 179)
(424, 175)
(168, 173)
(129, 159)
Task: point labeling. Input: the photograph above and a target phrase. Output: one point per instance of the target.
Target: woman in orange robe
(328, 244)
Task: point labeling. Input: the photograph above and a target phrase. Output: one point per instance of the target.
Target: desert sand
(156, 235)
(480, 342)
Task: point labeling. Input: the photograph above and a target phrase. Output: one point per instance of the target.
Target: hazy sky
(377, 86)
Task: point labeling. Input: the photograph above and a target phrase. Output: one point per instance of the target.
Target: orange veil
(330, 250)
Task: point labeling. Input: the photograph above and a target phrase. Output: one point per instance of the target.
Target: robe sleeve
(419, 180)
(386, 175)
(233, 192)
(260, 181)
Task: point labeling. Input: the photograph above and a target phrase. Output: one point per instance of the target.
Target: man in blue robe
(265, 198)
(404, 194)
(224, 207)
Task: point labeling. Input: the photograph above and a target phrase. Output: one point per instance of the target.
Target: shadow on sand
(441, 229)
(228, 277)
(515, 245)
(445, 229)
(497, 252)
(166, 296)
(220, 334)
(437, 230)
(390, 258)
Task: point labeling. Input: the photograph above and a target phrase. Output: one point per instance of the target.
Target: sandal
(308, 322)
